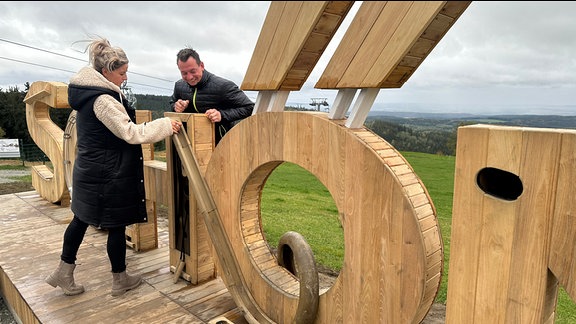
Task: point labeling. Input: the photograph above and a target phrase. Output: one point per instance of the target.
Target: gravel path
(5, 315)
(6, 176)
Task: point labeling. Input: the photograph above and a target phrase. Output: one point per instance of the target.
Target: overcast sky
(499, 57)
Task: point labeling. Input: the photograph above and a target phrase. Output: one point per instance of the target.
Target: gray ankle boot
(63, 277)
(122, 282)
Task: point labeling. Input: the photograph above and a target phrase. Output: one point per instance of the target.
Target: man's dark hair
(185, 53)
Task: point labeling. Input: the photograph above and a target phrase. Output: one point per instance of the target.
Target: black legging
(116, 245)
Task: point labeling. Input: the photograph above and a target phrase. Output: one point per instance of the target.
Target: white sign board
(9, 148)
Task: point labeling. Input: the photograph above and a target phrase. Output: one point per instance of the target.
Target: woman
(108, 175)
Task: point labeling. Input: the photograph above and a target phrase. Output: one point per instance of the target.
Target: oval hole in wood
(499, 183)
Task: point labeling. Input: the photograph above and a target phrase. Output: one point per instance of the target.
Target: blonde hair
(103, 55)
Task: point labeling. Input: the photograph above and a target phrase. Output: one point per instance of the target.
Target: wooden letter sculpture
(513, 224)
(393, 248)
(49, 137)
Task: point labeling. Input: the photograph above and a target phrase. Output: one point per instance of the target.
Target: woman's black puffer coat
(108, 175)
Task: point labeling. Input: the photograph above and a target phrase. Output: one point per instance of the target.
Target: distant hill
(445, 121)
(433, 133)
(453, 120)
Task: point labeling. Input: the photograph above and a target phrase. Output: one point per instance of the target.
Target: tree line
(404, 138)
(401, 137)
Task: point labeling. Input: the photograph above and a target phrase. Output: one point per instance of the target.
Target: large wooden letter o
(393, 247)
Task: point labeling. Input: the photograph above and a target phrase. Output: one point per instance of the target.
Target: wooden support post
(189, 239)
(144, 236)
(513, 231)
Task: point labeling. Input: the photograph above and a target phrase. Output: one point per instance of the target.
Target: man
(200, 91)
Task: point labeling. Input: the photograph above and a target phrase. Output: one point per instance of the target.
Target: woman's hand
(176, 125)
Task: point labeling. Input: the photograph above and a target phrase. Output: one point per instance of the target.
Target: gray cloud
(498, 54)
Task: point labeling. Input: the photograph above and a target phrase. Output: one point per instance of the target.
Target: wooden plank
(562, 260)
(207, 206)
(155, 179)
(300, 35)
(501, 273)
(351, 43)
(201, 138)
(292, 39)
(405, 34)
(497, 234)
(387, 41)
(531, 235)
(30, 245)
(471, 154)
(270, 77)
(263, 45)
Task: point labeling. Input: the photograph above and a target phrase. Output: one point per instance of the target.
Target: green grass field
(294, 200)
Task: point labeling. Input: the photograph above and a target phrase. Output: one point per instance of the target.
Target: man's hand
(214, 115)
(181, 105)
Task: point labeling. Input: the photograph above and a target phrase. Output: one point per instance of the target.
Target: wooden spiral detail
(41, 97)
(393, 247)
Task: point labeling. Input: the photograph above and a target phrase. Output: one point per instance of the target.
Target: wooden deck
(30, 245)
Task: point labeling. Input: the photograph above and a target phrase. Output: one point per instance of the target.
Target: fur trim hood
(91, 83)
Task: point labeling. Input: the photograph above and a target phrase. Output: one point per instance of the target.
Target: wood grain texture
(49, 137)
(508, 255)
(196, 250)
(392, 263)
(30, 246)
(387, 41)
(292, 39)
